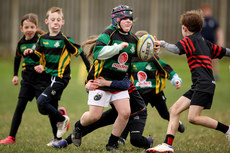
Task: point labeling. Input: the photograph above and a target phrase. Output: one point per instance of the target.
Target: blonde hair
(141, 33)
(31, 17)
(53, 10)
(88, 45)
(193, 20)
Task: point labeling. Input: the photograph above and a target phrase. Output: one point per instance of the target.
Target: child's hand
(39, 68)
(15, 80)
(176, 81)
(178, 84)
(28, 51)
(124, 45)
(156, 47)
(158, 42)
(102, 82)
(91, 85)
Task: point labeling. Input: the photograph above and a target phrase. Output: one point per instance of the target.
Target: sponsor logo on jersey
(142, 77)
(122, 59)
(46, 43)
(24, 47)
(97, 97)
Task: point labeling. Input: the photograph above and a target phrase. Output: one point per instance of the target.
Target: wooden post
(153, 17)
(84, 20)
(223, 18)
(15, 25)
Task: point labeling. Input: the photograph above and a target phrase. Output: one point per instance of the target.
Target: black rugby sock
(78, 124)
(222, 127)
(113, 139)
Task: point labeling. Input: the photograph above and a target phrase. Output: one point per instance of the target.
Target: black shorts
(136, 102)
(55, 88)
(200, 98)
(152, 98)
(31, 85)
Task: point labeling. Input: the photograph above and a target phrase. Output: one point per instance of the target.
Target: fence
(89, 17)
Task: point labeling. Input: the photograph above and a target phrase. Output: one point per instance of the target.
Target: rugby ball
(145, 47)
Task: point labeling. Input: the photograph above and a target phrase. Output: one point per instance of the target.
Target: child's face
(207, 12)
(54, 22)
(29, 29)
(126, 24)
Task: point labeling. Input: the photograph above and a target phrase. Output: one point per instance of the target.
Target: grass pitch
(35, 131)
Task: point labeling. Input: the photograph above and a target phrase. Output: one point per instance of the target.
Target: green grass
(35, 131)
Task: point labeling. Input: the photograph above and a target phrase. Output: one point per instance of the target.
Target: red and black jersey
(200, 53)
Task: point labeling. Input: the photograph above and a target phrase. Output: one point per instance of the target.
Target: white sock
(228, 132)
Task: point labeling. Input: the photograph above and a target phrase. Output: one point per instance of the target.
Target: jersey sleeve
(217, 51)
(182, 47)
(123, 84)
(102, 41)
(17, 60)
(71, 46)
(167, 68)
(37, 55)
(186, 46)
(85, 60)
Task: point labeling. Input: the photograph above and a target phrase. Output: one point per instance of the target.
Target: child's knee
(192, 119)
(95, 116)
(124, 114)
(41, 103)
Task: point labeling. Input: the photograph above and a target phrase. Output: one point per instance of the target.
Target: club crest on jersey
(97, 97)
(132, 49)
(122, 59)
(142, 77)
(148, 67)
(57, 44)
(34, 46)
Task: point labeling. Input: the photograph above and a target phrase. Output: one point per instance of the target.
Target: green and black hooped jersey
(150, 75)
(22, 45)
(116, 67)
(57, 51)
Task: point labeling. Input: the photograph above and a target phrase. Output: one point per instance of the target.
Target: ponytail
(91, 42)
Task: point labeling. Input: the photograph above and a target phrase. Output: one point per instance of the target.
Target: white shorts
(103, 98)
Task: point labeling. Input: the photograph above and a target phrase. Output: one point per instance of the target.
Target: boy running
(199, 53)
(56, 49)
